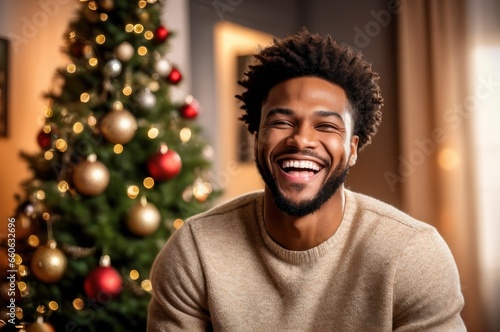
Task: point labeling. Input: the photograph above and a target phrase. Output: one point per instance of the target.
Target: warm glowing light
(93, 62)
(92, 5)
(118, 148)
(47, 129)
(78, 304)
(153, 86)
(71, 68)
(142, 50)
(178, 223)
(146, 285)
(33, 240)
(53, 305)
(142, 4)
(138, 28)
(18, 259)
(47, 112)
(201, 190)
(40, 194)
(91, 121)
(185, 134)
(153, 133)
(46, 216)
(148, 35)
(48, 155)
(448, 159)
(103, 17)
(23, 272)
(63, 186)
(127, 91)
(133, 191)
(77, 127)
(148, 183)
(84, 97)
(22, 286)
(118, 105)
(19, 313)
(129, 27)
(100, 39)
(134, 275)
(61, 145)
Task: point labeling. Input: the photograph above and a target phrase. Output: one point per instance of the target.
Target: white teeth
(304, 164)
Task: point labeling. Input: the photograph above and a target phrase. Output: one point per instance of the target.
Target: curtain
(484, 47)
(435, 168)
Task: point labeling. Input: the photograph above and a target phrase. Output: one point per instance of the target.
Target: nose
(303, 137)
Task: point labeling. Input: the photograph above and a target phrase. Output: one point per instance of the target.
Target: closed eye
(328, 126)
(280, 124)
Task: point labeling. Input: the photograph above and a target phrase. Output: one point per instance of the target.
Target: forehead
(307, 91)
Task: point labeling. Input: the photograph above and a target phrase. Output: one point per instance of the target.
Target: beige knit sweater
(381, 271)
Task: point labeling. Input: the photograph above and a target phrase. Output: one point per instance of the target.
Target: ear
(353, 150)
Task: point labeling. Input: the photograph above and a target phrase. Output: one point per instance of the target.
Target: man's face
(305, 145)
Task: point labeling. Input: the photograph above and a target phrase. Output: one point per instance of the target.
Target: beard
(304, 207)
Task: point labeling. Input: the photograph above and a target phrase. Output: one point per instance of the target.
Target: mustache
(305, 152)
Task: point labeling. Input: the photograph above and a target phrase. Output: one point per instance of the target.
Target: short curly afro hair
(306, 54)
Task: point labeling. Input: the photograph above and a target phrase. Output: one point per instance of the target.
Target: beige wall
(36, 28)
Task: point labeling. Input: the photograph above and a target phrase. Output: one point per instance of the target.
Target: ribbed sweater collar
(312, 255)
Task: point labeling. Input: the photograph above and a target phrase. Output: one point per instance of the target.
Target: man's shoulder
(243, 205)
(368, 205)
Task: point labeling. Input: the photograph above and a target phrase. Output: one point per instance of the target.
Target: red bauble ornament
(44, 139)
(175, 76)
(190, 110)
(164, 165)
(103, 284)
(161, 33)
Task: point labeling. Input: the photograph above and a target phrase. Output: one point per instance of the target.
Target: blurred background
(436, 156)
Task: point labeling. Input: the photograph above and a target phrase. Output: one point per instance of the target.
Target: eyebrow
(286, 111)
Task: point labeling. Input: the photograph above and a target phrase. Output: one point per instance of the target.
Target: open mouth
(300, 168)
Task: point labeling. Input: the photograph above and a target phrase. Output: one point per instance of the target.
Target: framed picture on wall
(4, 52)
(234, 48)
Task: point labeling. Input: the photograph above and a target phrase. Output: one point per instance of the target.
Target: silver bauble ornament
(113, 68)
(163, 67)
(146, 99)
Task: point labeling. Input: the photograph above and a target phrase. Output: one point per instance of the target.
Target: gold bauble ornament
(143, 218)
(40, 326)
(118, 126)
(91, 177)
(48, 263)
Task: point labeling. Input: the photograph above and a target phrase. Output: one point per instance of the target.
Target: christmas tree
(120, 166)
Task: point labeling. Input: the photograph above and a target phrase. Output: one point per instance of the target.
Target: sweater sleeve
(427, 293)
(178, 298)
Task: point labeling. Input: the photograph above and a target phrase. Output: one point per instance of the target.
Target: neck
(303, 233)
